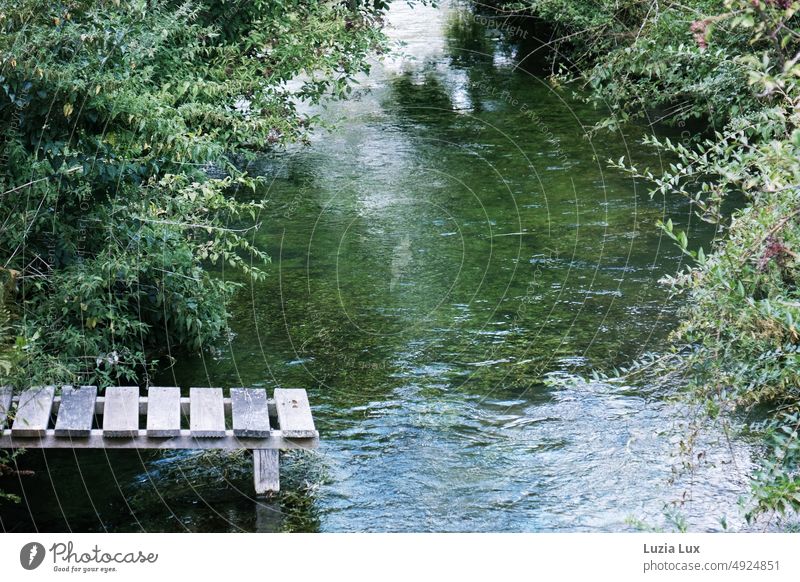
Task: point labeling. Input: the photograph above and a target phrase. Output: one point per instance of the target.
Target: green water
(451, 241)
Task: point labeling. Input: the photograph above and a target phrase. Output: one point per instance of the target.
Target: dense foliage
(113, 114)
(734, 64)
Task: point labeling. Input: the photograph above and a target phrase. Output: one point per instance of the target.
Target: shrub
(111, 113)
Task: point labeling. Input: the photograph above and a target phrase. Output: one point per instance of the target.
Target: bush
(111, 112)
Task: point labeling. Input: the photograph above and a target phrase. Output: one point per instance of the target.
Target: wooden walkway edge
(76, 417)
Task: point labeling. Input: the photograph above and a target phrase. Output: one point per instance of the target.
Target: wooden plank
(266, 471)
(294, 413)
(100, 403)
(6, 396)
(186, 440)
(33, 412)
(206, 412)
(121, 412)
(76, 412)
(250, 412)
(163, 411)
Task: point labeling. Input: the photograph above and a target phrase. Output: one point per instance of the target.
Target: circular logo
(31, 555)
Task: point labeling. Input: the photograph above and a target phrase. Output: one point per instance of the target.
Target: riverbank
(734, 66)
(435, 256)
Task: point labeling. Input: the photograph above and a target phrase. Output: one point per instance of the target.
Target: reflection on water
(454, 239)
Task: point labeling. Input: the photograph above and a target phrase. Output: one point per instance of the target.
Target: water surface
(451, 241)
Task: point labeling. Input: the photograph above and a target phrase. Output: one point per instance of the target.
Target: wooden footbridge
(48, 417)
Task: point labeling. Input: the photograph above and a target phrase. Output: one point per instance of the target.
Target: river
(454, 239)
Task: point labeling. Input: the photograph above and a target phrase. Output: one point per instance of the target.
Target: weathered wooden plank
(33, 412)
(206, 413)
(6, 396)
(100, 403)
(186, 440)
(163, 411)
(294, 413)
(121, 412)
(76, 411)
(266, 471)
(250, 412)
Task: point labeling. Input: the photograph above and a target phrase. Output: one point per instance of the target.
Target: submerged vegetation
(217, 475)
(733, 66)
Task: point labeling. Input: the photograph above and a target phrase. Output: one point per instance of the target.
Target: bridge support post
(266, 471)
